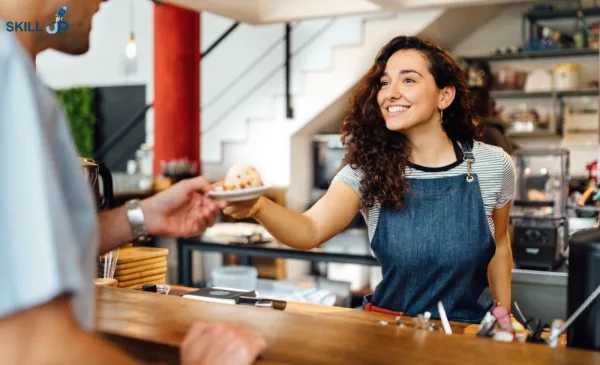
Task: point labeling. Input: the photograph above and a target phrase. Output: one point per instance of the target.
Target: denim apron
(437, 248)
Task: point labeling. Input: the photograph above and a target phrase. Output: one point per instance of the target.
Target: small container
(235, 277)
(566, 76)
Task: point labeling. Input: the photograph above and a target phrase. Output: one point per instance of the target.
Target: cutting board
(141, 275)
(134, 254)
(141, 268)
(136, 264)
(157, 279)
(138, 274)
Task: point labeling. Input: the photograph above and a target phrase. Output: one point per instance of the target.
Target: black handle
(107, 185)
(533, 203)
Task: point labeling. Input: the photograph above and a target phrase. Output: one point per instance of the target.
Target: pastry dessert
(242, 177)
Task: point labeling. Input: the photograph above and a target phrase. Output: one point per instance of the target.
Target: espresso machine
(98, 175)
(539, 212)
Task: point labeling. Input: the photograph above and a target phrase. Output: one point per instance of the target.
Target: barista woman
(436, 203)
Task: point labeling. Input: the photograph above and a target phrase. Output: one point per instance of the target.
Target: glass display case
(539, 212)
(542, 183)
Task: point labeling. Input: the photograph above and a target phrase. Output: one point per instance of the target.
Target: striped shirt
(494, 169)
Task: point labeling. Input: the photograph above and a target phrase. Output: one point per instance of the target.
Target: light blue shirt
(48, 240)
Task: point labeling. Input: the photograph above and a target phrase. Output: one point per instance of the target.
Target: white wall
(244, 75)
(212, 26)
(103, 65)
(505, 31)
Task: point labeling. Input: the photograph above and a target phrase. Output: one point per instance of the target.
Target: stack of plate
(139, 265)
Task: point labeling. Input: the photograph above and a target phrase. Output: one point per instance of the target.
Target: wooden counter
(349, 314)
(151, 326)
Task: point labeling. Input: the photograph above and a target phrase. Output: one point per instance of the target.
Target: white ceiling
(277, 11)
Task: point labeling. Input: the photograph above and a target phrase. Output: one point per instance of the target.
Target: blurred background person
(493, 130)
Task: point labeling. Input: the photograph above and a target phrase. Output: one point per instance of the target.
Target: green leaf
(79, 107)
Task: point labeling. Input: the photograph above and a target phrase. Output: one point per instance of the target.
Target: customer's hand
(243, 209)
(220, 343)
(182, 210)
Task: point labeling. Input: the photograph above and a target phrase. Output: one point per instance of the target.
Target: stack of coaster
(139, 265)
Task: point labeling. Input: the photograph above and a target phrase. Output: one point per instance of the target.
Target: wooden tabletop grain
(151, 326)
(349, 314)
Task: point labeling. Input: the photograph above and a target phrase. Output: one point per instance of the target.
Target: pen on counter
(556, 325)
(444, 319)
(486, 325)
(523, 319)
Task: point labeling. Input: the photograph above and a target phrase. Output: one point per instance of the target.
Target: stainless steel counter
(557, 278)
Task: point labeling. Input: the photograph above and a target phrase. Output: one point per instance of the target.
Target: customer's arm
(330, 215)
(180, 211)
(500, 268)
(48, 334)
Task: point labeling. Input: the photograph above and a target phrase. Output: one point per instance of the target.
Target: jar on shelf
(566, 76)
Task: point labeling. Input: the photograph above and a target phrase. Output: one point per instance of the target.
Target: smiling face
(408, 96)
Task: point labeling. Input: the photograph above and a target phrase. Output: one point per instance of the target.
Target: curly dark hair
(382, 155)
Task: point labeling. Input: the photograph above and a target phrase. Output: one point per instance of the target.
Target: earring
(442, 116)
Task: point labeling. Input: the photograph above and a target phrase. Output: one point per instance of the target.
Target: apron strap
(467, 150)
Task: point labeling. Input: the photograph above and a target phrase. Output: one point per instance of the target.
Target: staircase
(265, 141)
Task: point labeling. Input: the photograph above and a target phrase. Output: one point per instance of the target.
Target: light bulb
(131, 49)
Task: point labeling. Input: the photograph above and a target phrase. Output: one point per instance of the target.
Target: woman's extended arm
(329, 216)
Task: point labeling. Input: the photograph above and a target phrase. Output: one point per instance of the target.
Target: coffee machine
(539, 212)
(97, 173)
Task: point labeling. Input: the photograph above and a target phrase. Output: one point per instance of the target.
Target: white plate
(239, 229)
(238, 195)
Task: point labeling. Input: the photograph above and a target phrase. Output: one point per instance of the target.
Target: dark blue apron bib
(437, 248)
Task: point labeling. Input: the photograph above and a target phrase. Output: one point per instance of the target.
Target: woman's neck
(431, 148)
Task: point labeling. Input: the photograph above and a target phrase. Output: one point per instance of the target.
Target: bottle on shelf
(580, 35)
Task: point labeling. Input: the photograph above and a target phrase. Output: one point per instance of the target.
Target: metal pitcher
(95, 170)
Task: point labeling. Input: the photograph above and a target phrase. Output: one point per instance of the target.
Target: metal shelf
(584, 209)
(535, 15)
(549, 135)
(520, 94)
(573, 52)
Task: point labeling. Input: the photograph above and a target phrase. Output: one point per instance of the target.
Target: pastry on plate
(241, 177)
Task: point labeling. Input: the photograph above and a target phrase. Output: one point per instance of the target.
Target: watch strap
(137, 223)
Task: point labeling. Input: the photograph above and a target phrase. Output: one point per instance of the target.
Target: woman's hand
(243, 209)
(240, 210)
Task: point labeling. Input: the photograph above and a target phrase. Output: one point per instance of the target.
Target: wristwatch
(135, 215)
